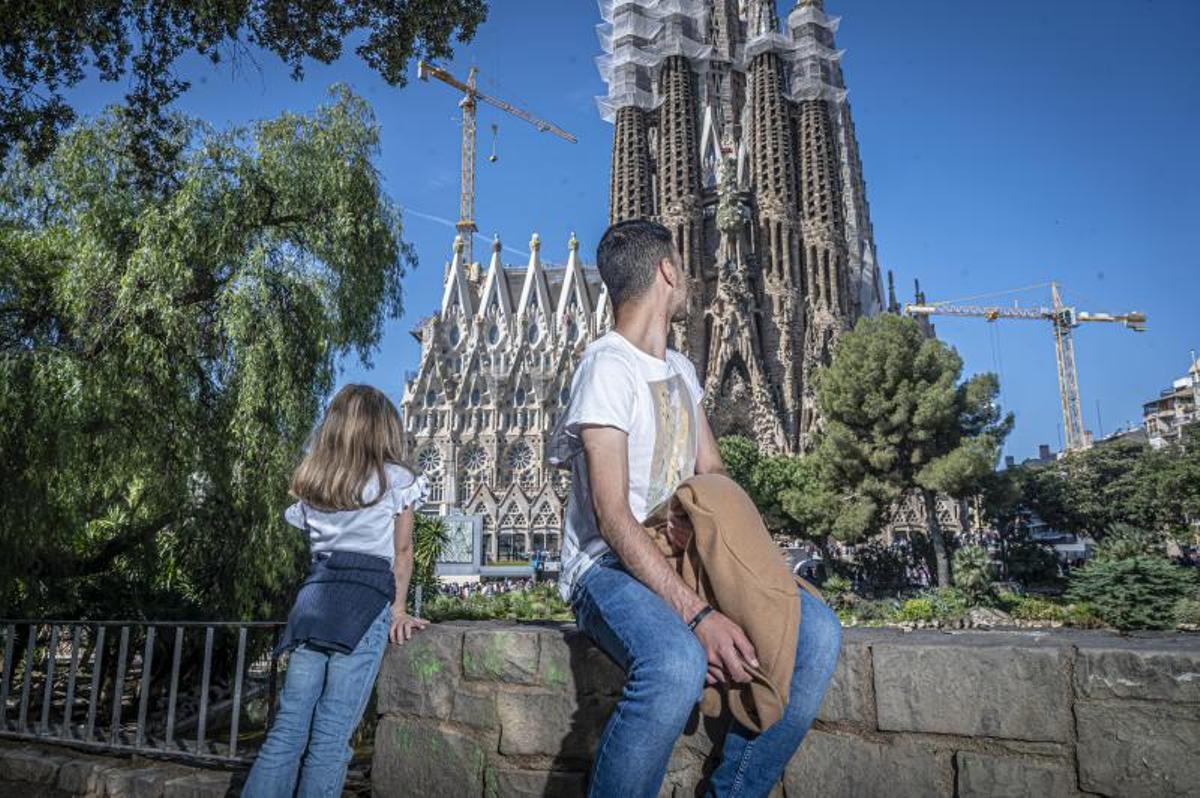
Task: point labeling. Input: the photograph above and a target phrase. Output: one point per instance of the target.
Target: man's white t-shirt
(656, 403)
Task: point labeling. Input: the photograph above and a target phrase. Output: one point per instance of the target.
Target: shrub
(974, 571)
(1034, 608)
(916, 609)
(539, 603)
(1138, 592)
(1187, 610)
(835, 586)
(943, 603)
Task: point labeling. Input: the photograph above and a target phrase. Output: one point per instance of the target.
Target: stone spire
(761, 18)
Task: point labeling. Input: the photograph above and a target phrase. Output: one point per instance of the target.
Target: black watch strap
(700, 616)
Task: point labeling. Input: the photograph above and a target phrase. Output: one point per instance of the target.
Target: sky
(1004, 145)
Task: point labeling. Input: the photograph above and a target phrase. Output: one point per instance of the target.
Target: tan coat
(733, 564)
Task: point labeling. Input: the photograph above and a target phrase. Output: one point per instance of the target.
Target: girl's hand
(404, 626)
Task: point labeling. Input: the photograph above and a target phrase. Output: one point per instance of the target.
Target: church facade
(733, 130)
(494, 375)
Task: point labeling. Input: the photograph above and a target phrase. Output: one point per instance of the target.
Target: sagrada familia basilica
(732, 128)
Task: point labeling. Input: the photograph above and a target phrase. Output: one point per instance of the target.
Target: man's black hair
(628, 256)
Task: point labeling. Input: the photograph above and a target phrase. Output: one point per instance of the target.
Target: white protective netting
(637, 36)
(803, 15)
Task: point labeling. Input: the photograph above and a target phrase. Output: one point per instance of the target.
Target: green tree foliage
(1118, 483)
(897, 419)
(45, 48)
(1088, 491)
(1139, 592)
(788, 491)
(164, 352)
(429, 538)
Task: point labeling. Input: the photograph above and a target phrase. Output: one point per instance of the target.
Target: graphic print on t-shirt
(674, 455)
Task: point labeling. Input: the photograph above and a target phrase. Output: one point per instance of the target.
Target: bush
(1034, 608)
(974, 572)
(1187, 610)
(1138, 592)
(539, 603)
(943, 603)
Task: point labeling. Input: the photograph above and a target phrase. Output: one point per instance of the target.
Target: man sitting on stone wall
(634, 430)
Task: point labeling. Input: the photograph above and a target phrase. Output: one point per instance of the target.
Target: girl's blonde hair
(360, 434)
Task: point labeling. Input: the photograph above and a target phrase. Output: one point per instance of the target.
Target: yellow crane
(1063, 319)
(471, 95)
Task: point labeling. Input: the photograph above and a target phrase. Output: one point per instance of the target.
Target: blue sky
(1004, 145)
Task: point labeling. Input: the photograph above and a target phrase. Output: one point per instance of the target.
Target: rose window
(474, 459)
(520, 457)
(429, 460)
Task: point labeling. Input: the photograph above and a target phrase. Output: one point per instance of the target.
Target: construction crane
(1063, 319)
(466, 219)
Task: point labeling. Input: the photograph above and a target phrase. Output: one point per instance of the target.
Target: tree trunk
(937, 539)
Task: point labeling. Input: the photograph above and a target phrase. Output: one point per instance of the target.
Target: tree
(787, 490)
(164, 353)
(898, 419)
(1087, 491)
(45, 48)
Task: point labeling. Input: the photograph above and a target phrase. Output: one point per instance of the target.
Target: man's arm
(607, 453)
(708, 455)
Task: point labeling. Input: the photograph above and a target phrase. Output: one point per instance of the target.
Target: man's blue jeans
(307, 750)
(665, 665)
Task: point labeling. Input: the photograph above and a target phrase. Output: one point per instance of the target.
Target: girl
(356, 507)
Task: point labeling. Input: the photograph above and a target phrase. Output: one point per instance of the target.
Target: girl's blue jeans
(665, 666)
(307, 750)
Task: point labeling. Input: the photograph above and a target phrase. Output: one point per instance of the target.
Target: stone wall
(470, 709)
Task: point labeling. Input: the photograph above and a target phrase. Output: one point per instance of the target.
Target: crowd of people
(465, 590)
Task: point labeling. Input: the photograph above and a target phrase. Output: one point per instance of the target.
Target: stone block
(144, 782)
(850, 694)
(987, 776)
(1128, 668)
(535, 784)
(30, 765)
(475, 709)
(422, 676)
(568, 660)
(976, 688)
(502, 654)
(84, 777)
(423, 758)
(551, 724)
(846, 766)
(1133, 749)
(199, 785)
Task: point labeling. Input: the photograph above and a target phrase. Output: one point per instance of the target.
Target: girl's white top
(370, 529)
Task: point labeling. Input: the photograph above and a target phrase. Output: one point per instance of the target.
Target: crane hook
(494, 157)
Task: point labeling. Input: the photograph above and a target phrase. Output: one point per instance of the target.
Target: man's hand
(727, 647)
(404, 626)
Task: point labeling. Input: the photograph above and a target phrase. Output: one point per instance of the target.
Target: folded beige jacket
(734, 565)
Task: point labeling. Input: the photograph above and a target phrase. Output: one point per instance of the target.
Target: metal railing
(130, 701)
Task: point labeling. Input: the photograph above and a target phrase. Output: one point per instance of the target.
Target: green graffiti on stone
(555, 676)
(425, 664)
(402, 739)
